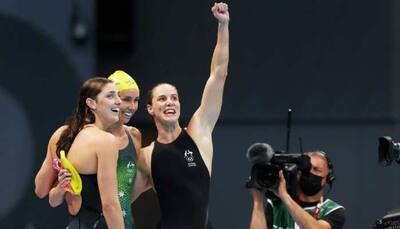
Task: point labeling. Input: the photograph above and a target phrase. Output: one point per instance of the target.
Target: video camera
(267, 163)
(390, 220)
(389, 151)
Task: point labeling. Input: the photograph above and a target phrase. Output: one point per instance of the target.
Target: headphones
(330, 178)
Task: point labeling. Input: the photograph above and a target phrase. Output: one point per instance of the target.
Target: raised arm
(207, 114)
(258, 220)
(302, 218)
(107, 157)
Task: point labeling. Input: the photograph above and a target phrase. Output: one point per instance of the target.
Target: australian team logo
(189, 158)
(130, 165)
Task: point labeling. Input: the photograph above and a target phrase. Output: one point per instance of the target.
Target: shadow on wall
(38, 88)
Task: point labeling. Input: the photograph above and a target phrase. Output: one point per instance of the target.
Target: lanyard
(317, 209)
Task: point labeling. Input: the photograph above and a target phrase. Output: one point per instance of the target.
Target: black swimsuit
(182, 182)
(90, 214)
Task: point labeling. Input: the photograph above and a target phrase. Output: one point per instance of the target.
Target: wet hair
(82, 115)
(150, 92)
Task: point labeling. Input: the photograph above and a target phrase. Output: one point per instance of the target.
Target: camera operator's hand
(258, 196)
(300, 216)
(281, 192)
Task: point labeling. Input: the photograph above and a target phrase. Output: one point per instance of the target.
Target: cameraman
(309, 209)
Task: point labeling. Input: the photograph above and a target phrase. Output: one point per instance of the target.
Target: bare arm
(46, 176)
(56, 194)
(141, 183)
(302, 218)
(73, 203)
(258, 220)
(207, 114)
(107, 156)
(60, 191)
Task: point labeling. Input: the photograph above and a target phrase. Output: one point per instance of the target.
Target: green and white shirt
(328, 210)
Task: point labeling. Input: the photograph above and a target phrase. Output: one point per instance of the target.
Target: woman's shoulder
(133, 131)
(59, 131)
(55, 137)
(96, 135)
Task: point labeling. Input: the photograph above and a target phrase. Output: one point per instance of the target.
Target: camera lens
(265, 175)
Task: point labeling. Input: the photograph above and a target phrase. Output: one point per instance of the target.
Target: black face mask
(310, 184)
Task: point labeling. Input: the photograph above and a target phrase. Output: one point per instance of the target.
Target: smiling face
(164, 105)
(106, 105)
(129, 104)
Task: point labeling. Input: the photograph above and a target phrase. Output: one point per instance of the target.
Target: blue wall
(331, 61)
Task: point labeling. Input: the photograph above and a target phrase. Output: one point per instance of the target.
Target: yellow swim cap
(123, 81)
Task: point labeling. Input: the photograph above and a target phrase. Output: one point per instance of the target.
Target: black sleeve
(336, 219)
